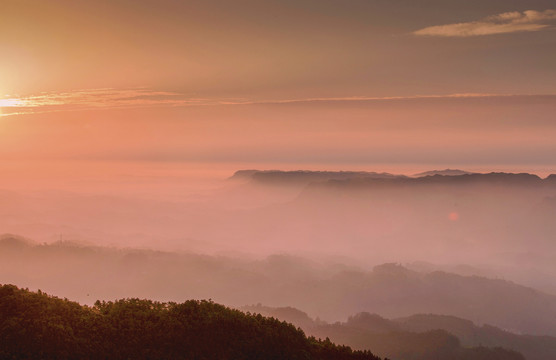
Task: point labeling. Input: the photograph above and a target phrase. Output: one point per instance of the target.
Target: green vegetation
(39, 326)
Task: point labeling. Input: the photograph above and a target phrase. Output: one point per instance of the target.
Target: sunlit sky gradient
(295, 84)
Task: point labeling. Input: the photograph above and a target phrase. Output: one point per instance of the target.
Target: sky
(398, 85)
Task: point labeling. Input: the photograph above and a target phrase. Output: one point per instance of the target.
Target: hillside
(390, 340)
(332, 291)
(38, 326)
(532, 347)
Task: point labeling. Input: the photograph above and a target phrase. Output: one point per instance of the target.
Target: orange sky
(295, 84)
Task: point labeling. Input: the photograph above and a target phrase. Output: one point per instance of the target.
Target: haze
(334, 156)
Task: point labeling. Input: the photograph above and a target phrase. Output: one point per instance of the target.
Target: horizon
(392, 86)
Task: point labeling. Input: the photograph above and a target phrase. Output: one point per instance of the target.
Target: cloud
(92, 99)
(380, 98)
(504, 23)
(89, 99)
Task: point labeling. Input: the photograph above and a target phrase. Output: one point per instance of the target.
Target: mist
(378, 173)
(330, 243)
(497, 224)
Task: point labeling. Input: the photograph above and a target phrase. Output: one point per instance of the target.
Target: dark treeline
(39, 326)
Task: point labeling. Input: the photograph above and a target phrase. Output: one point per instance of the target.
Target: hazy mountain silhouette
(498, 179)
(304, 177)
(334, 178)
(243, 174)
(532, 347)
(445, 172)
(391, 339)
(551, 178)
(415, 334)
(329, 290)
(489, 221)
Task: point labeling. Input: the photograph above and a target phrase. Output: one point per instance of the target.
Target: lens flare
(453, 216)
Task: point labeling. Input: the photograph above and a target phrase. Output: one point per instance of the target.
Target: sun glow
(10, 102)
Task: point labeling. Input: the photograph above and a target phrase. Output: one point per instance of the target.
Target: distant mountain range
(446, 172)
(332, 291)
(532, 347)
(497, 220)
(358, 180)
(497, 179)
(415, 337)
(447, 176)
(277, 177)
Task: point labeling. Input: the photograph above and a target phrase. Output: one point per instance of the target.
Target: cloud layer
(91, 99)
(508, 22)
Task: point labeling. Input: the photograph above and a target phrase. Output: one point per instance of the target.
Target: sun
(10, 102)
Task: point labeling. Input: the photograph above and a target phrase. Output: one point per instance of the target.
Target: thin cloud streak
(384, 98)
(509, 22)
(90, 99)
(96, 99)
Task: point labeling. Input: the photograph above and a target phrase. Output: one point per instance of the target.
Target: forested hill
(391, 339)
(39, 326)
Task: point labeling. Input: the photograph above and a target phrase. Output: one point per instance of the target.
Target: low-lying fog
(501, 225)
(305, 239)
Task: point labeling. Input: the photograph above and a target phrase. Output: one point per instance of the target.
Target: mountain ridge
(445, 172)
(370, 328)
(389, 289)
